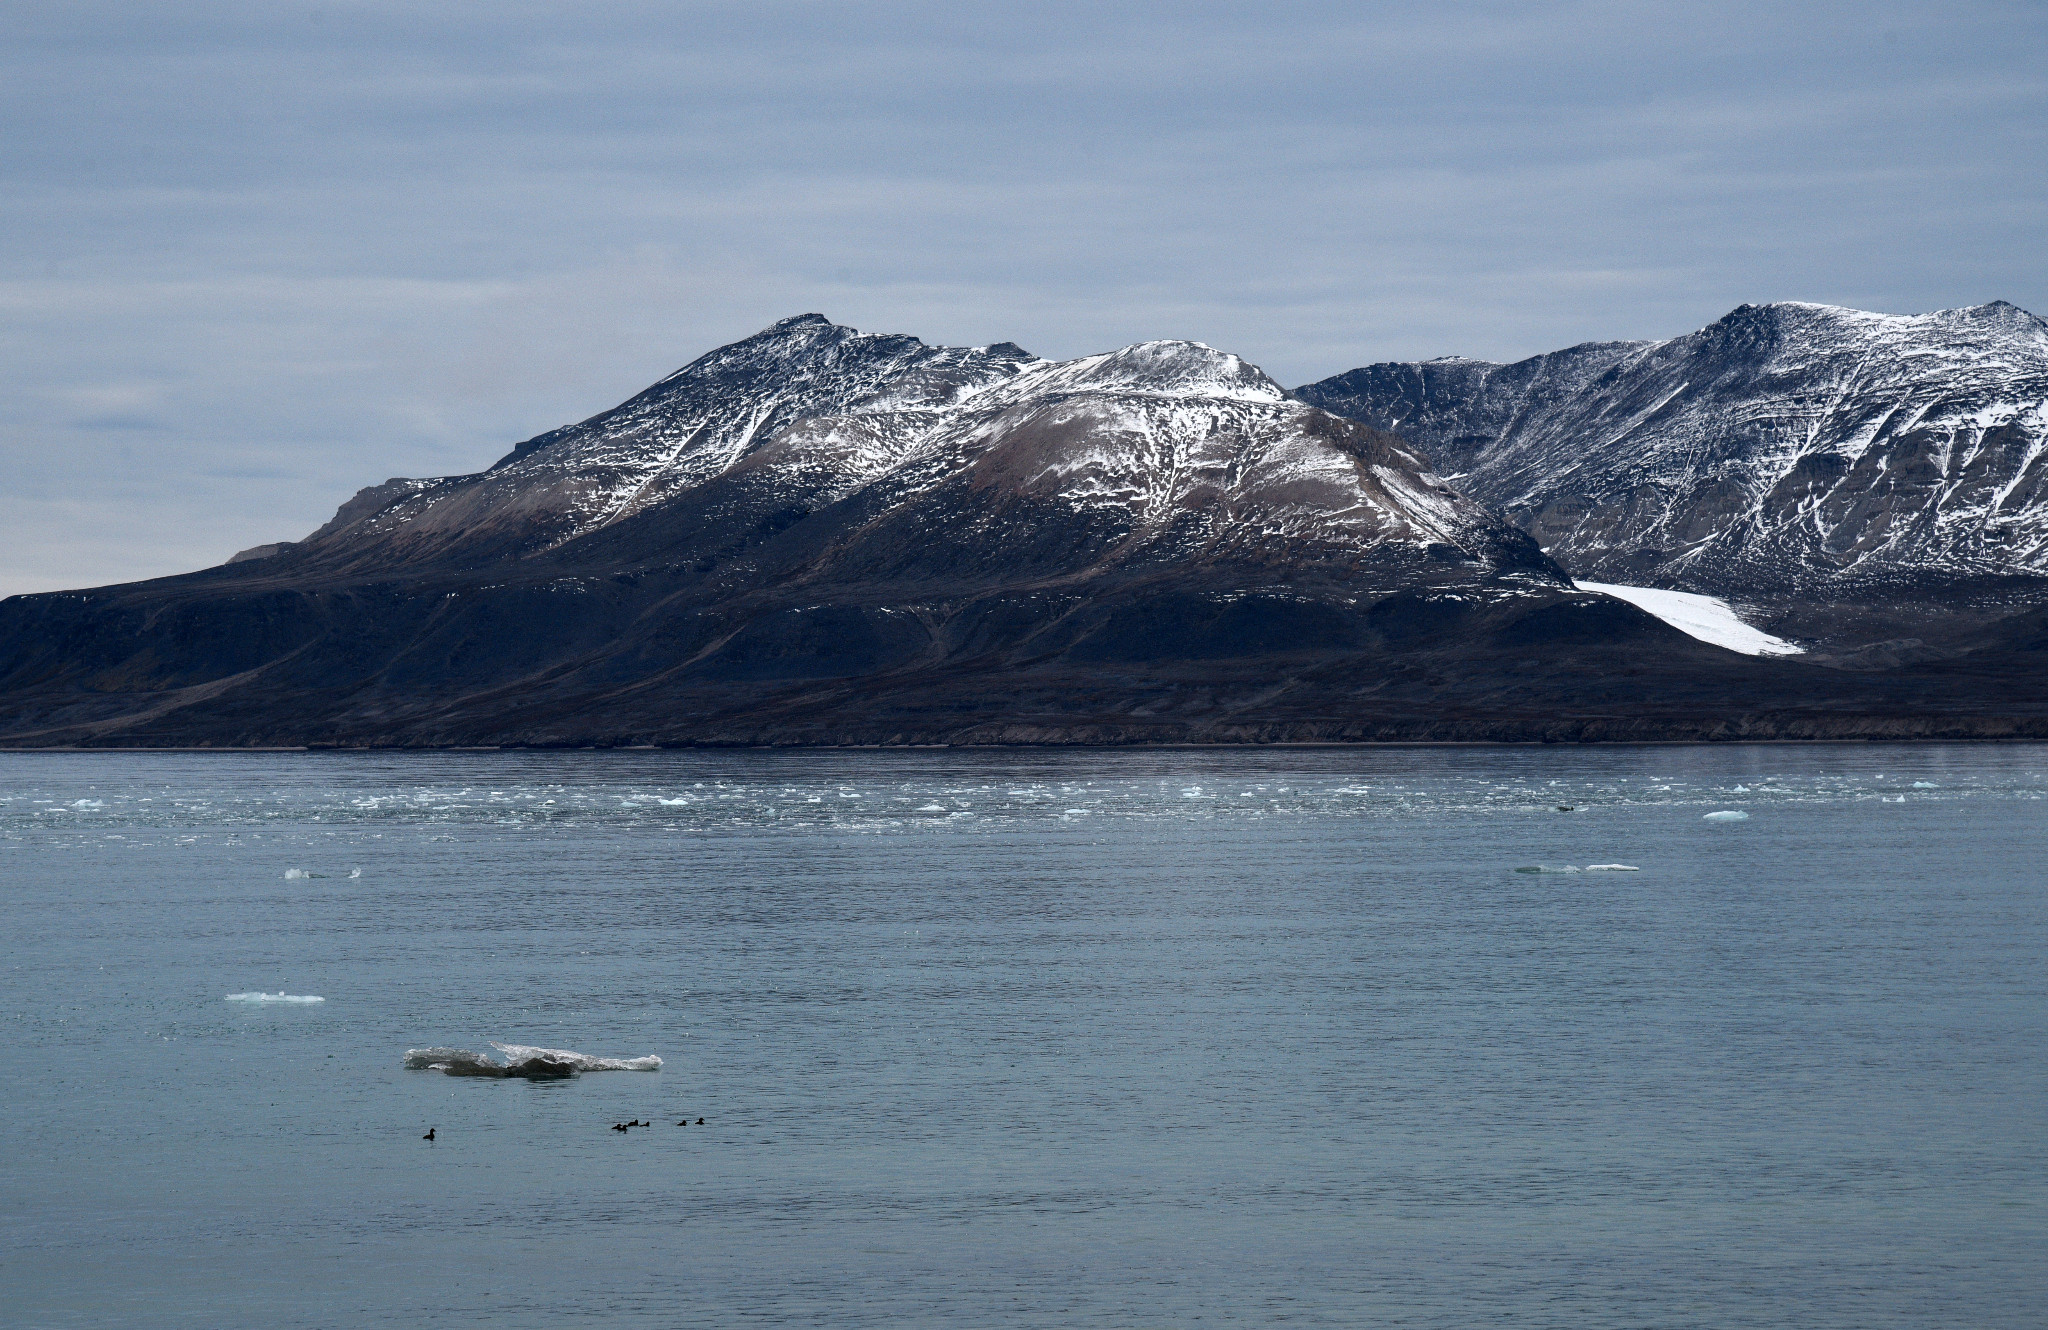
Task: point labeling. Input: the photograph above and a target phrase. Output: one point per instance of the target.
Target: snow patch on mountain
(1708, 618)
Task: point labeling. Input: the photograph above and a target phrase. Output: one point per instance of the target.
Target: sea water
(1029, 1038)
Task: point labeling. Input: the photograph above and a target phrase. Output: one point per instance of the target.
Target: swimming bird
(684, 1123)
(700, 1122)
(618, 1126)
(429, 1136)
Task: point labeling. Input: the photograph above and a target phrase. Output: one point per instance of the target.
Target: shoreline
(435, 749)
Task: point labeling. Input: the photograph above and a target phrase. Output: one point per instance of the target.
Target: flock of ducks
(616, 1126)
(628, 1126)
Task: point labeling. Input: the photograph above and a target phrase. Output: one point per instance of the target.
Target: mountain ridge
(808, 503)
(1784, 450)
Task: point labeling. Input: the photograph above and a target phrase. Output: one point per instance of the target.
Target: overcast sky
(256, 256)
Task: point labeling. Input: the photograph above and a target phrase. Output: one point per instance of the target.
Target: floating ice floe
(1925, 785)
(305, 999)
(521, 1060)
(1574, 868)
(1727, 815)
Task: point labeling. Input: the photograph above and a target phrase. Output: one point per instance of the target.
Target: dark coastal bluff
(818, 536)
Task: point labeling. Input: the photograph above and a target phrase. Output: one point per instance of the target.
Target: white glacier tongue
(1708, 618)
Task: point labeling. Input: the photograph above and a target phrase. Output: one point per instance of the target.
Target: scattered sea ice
(1727, 815)
(1925, 785)
(300, 999)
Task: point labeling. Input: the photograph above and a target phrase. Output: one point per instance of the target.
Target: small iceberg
(523, 1061)
(301, 999)
(1726, 815)
(1549, 868)
(1925, 785)
(1612, 868)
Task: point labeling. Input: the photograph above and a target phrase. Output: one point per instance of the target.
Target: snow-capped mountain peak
(1786, 447)
(1159, 450)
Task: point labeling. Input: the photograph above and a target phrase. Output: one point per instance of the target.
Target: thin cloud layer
(259, 256)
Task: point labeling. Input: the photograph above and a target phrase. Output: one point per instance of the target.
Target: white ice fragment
(300, 999)
(296, 874)
(1726, 815)
(583, 1061)
(522, 1061)
(1612, 868)
(1925, 785)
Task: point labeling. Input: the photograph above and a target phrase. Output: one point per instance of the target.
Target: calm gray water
(1030, 1038)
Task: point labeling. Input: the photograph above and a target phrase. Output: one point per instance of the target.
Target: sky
(254, 257)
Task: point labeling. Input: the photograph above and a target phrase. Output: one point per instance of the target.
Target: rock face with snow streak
(1162, 452)
(1787, 450)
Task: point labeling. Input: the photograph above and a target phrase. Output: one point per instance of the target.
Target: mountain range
(1838, 470)
(816, 535)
